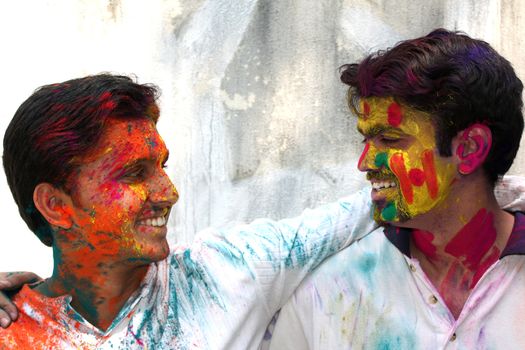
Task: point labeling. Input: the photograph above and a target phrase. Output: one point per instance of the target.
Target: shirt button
(412, 268)
(453, 337)
(432, 299)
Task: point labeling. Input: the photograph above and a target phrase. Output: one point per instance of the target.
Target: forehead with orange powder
(400, 150)
(118, 184)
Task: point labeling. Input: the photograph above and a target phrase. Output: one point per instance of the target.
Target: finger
(8, 308)
(15, 280)
(5, 320)
(4, 284)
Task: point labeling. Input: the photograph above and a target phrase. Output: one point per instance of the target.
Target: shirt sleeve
(290, 332)
(269, 259)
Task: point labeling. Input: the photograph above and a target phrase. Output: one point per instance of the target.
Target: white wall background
(252, 108)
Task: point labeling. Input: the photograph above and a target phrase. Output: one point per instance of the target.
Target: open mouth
(379, 185)
(157, 220)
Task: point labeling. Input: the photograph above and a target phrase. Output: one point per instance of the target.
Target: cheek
(117, 207)
(417, 177)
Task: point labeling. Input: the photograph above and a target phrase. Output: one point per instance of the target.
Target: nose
(162, 190)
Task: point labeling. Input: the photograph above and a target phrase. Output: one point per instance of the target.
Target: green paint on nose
(381, 160)
(389, 212)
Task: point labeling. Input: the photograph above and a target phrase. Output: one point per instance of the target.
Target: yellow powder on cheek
(139, 190)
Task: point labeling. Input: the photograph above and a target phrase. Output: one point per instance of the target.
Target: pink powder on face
(395, 115)
(363, 155)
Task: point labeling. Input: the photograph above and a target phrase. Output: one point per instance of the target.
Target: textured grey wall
(270, 131)
(252, 108)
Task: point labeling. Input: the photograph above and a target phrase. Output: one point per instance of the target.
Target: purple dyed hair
(458, 80)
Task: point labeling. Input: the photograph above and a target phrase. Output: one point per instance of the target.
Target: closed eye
(134, 173)
(389, 140)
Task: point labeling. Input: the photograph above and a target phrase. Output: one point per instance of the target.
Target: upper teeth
(384, 184)
(160, 221)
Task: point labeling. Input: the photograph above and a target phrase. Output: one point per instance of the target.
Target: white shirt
(219, 293)
(372, 295)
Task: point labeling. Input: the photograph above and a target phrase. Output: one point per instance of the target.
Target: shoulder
(364, 266)
(30, 321)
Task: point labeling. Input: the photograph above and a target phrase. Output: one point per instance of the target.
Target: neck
(98, 290)
(457, 242)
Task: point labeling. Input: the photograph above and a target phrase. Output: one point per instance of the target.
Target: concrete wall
(252, 108)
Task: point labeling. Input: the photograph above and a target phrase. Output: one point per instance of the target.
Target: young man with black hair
(85, 165)
(441, 118)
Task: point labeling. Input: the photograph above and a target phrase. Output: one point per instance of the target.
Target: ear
(474, 146)
(51, 203)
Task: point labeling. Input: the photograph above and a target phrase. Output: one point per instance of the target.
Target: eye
(133, 174)
(388, 140)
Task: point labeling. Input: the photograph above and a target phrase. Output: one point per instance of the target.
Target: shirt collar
(399, 237)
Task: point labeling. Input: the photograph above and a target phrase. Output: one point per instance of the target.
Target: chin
(160, 252)
(401, 218)
(150, 254)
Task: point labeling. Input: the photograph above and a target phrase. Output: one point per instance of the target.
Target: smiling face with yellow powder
(402, 161)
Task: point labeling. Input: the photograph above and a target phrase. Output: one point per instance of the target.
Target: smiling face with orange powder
(121, 197)
(401, 159)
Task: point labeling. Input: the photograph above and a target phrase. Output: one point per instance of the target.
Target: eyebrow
(376, 130)
(145, 160)
(163, 159)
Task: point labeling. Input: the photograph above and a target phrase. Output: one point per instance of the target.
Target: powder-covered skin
(219, 293)
(400, 149)
(373, 296)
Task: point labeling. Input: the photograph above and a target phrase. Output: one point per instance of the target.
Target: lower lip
(379, 195)
(159, 230)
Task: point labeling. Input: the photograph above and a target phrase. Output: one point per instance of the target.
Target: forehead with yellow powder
(383, 115)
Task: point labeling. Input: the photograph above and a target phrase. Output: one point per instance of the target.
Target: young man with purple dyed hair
(441, 118)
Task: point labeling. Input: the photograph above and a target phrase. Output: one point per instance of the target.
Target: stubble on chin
(402, 213)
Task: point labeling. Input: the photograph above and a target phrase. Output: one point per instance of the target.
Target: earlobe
(474, 146)
(51, 203)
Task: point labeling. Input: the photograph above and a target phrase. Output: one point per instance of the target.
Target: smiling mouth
(379, 185)
(156, 220)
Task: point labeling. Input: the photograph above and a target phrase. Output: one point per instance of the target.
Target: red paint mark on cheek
(363, 155)
(395, 116)
(474, 240)
(417, 177)
(423, 240)
(429, 169)
(397, 165)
